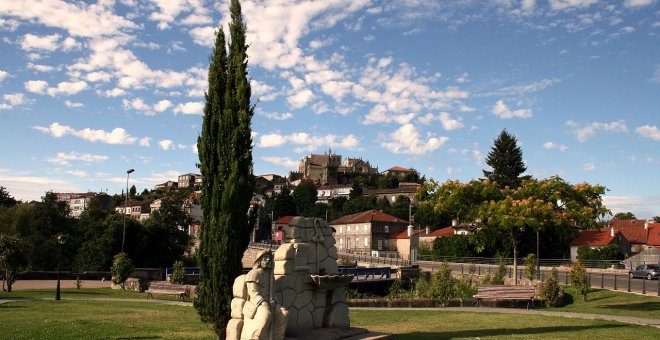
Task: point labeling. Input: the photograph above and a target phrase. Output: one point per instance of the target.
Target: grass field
(28, 318)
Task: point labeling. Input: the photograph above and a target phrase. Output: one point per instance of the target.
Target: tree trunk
(515, 258)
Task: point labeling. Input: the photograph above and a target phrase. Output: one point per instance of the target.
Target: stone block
(330, 266)
(240, 289)
(237, 308)
(319, 298)
(286, 251)
(329, 241)
(317, 316)
(291, 232)
(303, 282)
(332, 252)
(292, 321)
(303, 299)
(305, 320)
(288, 297)
(326, 231)
(283, 268)
(337, 316)
(338, 295)
(234, 327)
(307, 234)
(284, 281)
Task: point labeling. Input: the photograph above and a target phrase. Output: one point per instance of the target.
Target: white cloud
(449, 123)
(69, 103)
(116, 92)
(300, 99)
(648, 131)
(583, 133)
(63, 158)
(11, 99)
(203, 36)
(36, 86)
(145, 141)
(47, 42)
(570, 4)
(67, 88)
(162, 105)
(262, 91)
(284, 162)
(76, 173)
(166, 144)
(28, 187)
(407, 140)
(642, 207)
(116, 136)
(275, 116)
(306, 142)
(501, 110)
(589, 166)
(549, 145)
(3, 75)
(521, 89)
(190, 108)
(41, 68)
(637, 3)
(98, 76)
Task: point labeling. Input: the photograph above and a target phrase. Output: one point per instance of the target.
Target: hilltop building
(328, 169)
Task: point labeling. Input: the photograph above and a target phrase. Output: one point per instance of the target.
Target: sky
(91, 89)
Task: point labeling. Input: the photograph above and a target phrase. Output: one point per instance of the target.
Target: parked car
(648, 271)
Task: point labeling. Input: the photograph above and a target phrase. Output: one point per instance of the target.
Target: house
(599, 238)
(188, 180)
(78, 202)
(635, 231)
(406, 243)
(167, 185)
(653, 239)
(139, 210)
(427, 238)
(278, 228)
(398, 171)
(326, 193)
(408, 189)
(369, 233)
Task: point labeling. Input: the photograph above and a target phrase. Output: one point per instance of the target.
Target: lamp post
(123, 234)
(61, 239)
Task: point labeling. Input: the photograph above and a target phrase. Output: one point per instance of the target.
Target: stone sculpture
(306, 283)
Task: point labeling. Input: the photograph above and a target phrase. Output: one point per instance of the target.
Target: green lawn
(30, 319)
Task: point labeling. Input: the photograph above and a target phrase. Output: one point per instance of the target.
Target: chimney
(427, 230)
(646, 225)
(410, 230)
(454, 223)
(612, 231)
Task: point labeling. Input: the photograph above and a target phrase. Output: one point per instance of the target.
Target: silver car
(648, 271)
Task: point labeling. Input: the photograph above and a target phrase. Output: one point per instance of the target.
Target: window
(348, 228)
(357, 242)
(341, 241)
(341, 229)
(385, 243)
(380, 244)
(366, 242)
(364, 227)
(386, 229)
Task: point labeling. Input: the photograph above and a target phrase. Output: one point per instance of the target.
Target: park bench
(164, 288)
(511, 293)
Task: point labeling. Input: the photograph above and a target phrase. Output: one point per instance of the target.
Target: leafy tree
(400, 208)
(225, 154)
(579, 279)
(388, 182)
(359, 204)
(166, 234)
(178, 276)
(551, 289)
(656, 219)
(425, 215)
(607, 253)
(505, 158)
(122, 267)
(305, 196)
(283, 204)
(624, 216)
(453, 245)
(530, 266)
(443, 284)
(11, 258)
(6, 200)
(356, 190)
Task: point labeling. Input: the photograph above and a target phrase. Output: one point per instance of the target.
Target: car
(647, 271)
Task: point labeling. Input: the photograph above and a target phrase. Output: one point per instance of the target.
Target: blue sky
(91, 89)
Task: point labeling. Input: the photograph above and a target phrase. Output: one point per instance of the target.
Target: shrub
(122, 267)
(178, 276)
(78, 282)
(443, 285)
(345, 261)
(579, 279)
(550, 293)
(530, 267)
(498, 277)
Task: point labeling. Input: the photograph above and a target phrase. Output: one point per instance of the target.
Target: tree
(356, 190)
(530, 266)
(11, 258)
(551, 289)
(225, 154)
(580, 279)
(167, 239)
(6, 200)
(133, 191)
(122, 267)
(283, 204)
(305, 196)
(656, 219)
(400, 208)
(178, 276)
(624, 216)
(505, 158)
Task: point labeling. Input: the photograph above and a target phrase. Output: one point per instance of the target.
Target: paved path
(51, 284)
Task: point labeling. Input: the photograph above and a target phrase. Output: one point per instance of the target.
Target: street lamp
(61, 239)
(123, 234)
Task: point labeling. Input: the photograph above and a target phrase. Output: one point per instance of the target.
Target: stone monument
(307, 293)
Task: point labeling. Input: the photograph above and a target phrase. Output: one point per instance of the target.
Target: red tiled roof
(284, 219)
(633, 230)
(654, 234)
(398, 168)
(367, 217)
(440, 232)
(595, 238)
(403, 234)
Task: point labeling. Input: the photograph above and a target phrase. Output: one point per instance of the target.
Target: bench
(512, 293)
(164, 288)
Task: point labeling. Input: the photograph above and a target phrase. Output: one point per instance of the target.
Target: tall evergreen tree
(505, 158)
(225, 153)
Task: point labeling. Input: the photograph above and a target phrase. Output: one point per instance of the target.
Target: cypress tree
(505, 157)
(225, 154)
